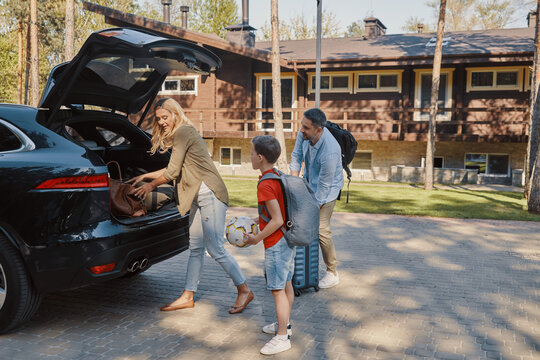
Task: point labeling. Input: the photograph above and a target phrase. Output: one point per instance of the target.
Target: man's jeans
(206, 230)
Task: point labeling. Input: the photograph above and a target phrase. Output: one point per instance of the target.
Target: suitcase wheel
(296, 292)
(316, 288)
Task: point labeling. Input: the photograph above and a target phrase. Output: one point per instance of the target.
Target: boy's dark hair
(316, 116)
(267, 146)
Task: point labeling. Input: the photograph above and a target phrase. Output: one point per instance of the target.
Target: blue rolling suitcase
(306, 268)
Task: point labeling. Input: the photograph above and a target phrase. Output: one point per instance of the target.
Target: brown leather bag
(123, 203)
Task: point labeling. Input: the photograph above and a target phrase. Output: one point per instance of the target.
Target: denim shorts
(279, 265)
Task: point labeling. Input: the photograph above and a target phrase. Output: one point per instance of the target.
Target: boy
(278, 256)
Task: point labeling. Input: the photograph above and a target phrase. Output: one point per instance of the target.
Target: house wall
(385, 155)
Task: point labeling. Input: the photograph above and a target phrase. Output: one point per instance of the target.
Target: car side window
(8, 140)
(113, 138)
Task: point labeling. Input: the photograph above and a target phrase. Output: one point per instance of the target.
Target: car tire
(19, 300)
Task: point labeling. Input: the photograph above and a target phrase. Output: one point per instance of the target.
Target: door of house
(265, 101)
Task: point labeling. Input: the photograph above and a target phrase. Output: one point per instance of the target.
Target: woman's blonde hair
(162, 140)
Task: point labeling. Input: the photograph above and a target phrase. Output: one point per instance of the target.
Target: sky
(392, 13)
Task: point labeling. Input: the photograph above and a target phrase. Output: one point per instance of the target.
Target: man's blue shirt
(322, 165)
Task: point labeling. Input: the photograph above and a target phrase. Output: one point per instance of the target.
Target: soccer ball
(237, 227)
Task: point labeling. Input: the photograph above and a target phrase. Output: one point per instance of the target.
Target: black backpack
(348, 145)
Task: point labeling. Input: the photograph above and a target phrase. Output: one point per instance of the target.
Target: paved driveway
(411, 287)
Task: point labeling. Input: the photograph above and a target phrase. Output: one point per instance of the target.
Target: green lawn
(405, 200)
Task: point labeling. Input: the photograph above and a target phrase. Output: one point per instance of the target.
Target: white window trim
(508, 171)
(331, 74)
(423, 161)
(363, 170)
(446, 116)
(232, 164)
(495, 70)
(195, 91)
(260, 78)
(378, 88)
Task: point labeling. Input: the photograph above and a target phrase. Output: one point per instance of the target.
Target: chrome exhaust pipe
(133, 266)
(143, 264)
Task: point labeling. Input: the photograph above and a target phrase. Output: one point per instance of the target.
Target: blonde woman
(201, 191)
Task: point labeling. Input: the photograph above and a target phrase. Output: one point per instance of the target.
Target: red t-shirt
(268, 190)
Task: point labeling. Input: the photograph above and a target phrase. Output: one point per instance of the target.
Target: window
(361, 161)
(112, 138)
(179, 85)
(265, 100)
(438, 162)
(332, 82)
(9, 141)
(422, 94)
(489, 79)
(230, 156)
(496, 164)
(373, 81)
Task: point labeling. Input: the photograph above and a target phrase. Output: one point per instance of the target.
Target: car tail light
(101, 269)
(76, 182)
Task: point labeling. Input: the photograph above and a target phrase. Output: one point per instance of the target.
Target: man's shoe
(272, 329)
(275, 346)
(329, 280)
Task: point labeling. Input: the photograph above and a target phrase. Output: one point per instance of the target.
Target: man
(321, 154)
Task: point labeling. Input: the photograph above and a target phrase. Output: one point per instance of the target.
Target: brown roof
(119, 18)
(408, 47)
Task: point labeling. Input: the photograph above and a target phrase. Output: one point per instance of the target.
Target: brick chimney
(242, 33)
(531, 19)
(374, 28)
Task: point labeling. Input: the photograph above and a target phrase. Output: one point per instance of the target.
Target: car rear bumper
(66, 265)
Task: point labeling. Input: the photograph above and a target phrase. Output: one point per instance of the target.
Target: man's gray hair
(316, 116)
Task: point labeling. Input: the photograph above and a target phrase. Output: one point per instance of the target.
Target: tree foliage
(213, 16)
(477, 14)
(298, 28)
(411, 25)
(357, 28)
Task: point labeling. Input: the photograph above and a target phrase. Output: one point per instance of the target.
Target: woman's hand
(142, 190)
(136, 179)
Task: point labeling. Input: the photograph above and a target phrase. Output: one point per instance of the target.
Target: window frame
(371, 161)
(495, 70)
(331, 74)
(398, 88)
(259, 77)
(179, 78)
(508, 170)
(446, 116)
(528, 78)
(26, 143)
(231, 148)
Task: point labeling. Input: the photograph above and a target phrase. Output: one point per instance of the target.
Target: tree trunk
(276, 88)
(430, 151)
(533, 201)
(70, 31)
(534, 107)
(20, 61)
(34, 54)
(27, 66)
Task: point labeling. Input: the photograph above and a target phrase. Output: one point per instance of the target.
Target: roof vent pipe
(166, 11)
(184, 10)
(245, 12)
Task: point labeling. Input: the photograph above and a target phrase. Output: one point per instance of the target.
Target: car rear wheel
(19, 300)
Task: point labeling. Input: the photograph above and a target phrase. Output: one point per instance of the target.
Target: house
(377, 86)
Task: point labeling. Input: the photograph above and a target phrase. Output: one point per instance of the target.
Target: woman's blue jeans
(206, 232)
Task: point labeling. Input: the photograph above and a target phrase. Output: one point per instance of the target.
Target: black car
(56, 228)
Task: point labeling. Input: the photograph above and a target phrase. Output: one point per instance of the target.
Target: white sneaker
(329, 280)
(275, 346)
(272, 329)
